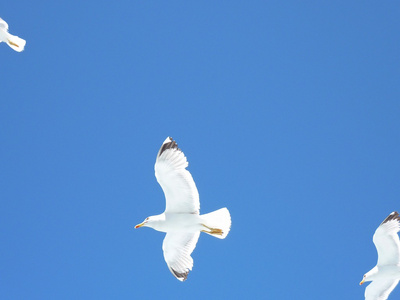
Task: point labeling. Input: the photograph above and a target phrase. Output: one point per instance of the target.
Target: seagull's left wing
(177, 247)
(380, 289)
(180, 191)
(387, 242)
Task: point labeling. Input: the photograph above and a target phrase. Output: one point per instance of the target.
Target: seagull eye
(147, 219)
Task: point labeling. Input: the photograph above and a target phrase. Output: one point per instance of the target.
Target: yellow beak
(362, 281)
(139, 225)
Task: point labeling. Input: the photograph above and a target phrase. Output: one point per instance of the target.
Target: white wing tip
(167, 140)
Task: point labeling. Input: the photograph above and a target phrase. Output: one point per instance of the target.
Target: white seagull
(181, 219)
(386, 274)
(13, 41)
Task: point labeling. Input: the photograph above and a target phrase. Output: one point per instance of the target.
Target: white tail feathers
(218, 223)
(16, 42)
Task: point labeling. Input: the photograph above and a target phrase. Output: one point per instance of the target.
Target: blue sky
(288, 112)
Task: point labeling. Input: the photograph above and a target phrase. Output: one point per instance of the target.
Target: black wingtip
(171, 144)
(393, 216)
(180, 276)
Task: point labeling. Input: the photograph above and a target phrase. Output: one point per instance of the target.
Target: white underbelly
(182, 223)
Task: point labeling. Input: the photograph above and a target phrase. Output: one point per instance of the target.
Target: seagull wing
(177, 247)
(177, 183)
(380, 289)
(387, 241)
(3, 25)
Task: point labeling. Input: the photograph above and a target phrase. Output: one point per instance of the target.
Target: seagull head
(143, 223)
(369, 276)
(151, 221)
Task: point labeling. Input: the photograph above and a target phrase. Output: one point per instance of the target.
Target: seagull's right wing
(380, 289)
(3, 25)
(180, 191)
(387, 241)
(177, 247)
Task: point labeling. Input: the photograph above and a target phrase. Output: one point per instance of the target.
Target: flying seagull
(181, 219)
(13, 41)
(386, 274)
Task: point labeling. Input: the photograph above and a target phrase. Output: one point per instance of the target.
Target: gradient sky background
(288, 112)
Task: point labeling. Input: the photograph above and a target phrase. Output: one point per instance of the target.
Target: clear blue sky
(288, 112)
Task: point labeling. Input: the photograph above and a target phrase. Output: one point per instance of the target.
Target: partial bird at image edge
(386, 274)
(13, 41)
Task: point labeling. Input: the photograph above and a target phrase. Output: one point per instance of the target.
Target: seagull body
(386, 274)
(176, 222)
(13, 41)
(181, 219)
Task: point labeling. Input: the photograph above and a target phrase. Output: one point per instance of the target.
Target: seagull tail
(16, 42)
(217, 223)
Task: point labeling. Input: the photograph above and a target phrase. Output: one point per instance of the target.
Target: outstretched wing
(177, 247)
(380, 289)
(3, 25)
(387, 242)
(180, 191)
